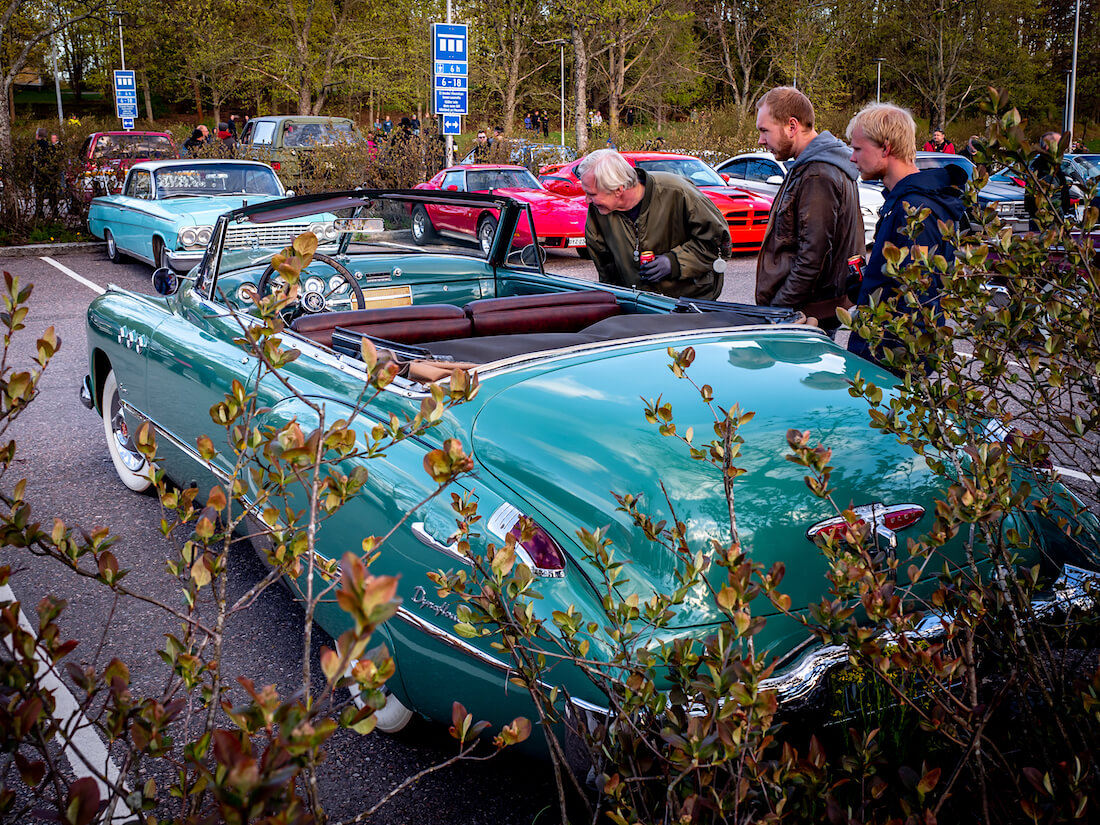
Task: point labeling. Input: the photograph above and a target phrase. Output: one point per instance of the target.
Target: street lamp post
(1073, 73)
(562, 46)
(878, 79)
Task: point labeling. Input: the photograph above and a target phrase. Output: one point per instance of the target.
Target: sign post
(126, 105)
(450, 78)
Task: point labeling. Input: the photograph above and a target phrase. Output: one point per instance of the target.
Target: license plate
(576, 242)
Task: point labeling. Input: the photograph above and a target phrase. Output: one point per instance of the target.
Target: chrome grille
(277, 234)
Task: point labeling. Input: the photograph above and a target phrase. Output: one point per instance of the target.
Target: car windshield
(938, 161)
(357, 228)
(217, 179)
(691, 168)
(483, 180)
(111, 147)
(1089, 165)
(318, 134)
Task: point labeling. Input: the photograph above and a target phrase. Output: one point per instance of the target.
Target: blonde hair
(611, 170)
(889, 126)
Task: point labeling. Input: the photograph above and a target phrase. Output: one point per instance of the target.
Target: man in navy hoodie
(815, 224)
(884, 147)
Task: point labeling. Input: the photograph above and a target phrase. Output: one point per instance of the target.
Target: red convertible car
(746, 212)
(559, 219)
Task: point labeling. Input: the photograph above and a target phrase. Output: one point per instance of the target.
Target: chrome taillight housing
(539, 551)
(878, 516)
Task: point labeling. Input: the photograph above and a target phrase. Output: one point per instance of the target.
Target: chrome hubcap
(133, 460)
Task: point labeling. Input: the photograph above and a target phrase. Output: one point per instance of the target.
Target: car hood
(728, 197)
(543, 199)
(565, 441)
(200, 211)
(997, 191)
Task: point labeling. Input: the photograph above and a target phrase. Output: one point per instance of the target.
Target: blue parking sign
(450, 41)
(452, 125)
(126, 104)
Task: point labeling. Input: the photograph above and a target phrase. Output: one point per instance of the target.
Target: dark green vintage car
(556, 429)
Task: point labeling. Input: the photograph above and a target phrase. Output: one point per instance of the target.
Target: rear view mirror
(775, 180)
(532, 255)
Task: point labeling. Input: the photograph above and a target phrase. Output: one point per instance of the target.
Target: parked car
(556, 429)
(745, 212)
(106, 156)
(524, 153)
(289, 143)
(761, 172)
(1007, 198)
(167, 208)
(559, 220)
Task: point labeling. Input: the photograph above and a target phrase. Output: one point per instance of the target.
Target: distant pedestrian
(629, 115)
(415, 123)
(194, 144)
(46, 173)
(387, 125)
(1052, 187)
(939, 143)
(481, 147)
(971, 148)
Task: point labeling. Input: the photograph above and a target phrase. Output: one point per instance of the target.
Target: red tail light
(893, 517)
(539, 552)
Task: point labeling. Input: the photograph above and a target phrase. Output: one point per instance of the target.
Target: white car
(761, 172)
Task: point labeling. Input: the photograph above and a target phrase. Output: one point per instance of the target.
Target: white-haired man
(654, 231)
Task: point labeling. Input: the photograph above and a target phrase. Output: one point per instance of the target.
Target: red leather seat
(551, 312)
(407, 325)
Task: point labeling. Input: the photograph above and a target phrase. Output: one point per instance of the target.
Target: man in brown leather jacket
(815, 224)
(654, 231)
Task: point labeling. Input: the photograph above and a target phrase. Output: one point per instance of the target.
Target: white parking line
(1077, 474)
(96, 288)
(83, 748)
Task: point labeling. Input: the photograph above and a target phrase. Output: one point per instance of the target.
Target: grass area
(44, 233)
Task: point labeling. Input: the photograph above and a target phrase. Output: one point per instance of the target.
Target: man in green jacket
(654, 231)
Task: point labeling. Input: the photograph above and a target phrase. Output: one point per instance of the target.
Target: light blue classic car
(167, 209)
(556, 430)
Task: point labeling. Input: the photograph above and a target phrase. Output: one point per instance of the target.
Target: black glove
(656, 270)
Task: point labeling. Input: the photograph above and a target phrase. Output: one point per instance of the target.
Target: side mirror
(290, 193)
(452, 188)
(775, 180)
(532, 255)
(724, 177)
(165, 281)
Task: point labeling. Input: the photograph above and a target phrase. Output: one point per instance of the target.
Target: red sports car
(746, 212)
(559, 219)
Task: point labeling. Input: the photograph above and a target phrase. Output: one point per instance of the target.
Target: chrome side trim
(446, 638)
(426, 538)
(189, 451)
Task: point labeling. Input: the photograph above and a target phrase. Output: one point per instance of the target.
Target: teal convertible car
(556, 429)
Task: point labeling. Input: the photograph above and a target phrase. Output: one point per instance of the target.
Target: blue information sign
(127, 123)
(450, 68)
(449, 41)
(450, 101)
(452, 125)
(126, 105)
(455, 81)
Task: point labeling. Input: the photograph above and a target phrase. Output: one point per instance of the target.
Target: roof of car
(154, 165)
(656, 156)
(472, 167)
(120, 133)
(301, 118)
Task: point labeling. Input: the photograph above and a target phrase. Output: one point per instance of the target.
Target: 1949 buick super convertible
(555, 430)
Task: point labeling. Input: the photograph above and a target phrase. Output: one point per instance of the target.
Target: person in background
(1046, 163)
(654, 231)
(415, 122)
(387, 125)
(482, 147)
(884, 142)
(46, 168)
(815, 225)
(197, 140)
(971, 148)
(939, 143)
(629, 116)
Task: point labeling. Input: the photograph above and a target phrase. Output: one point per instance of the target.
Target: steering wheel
(319, 294)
